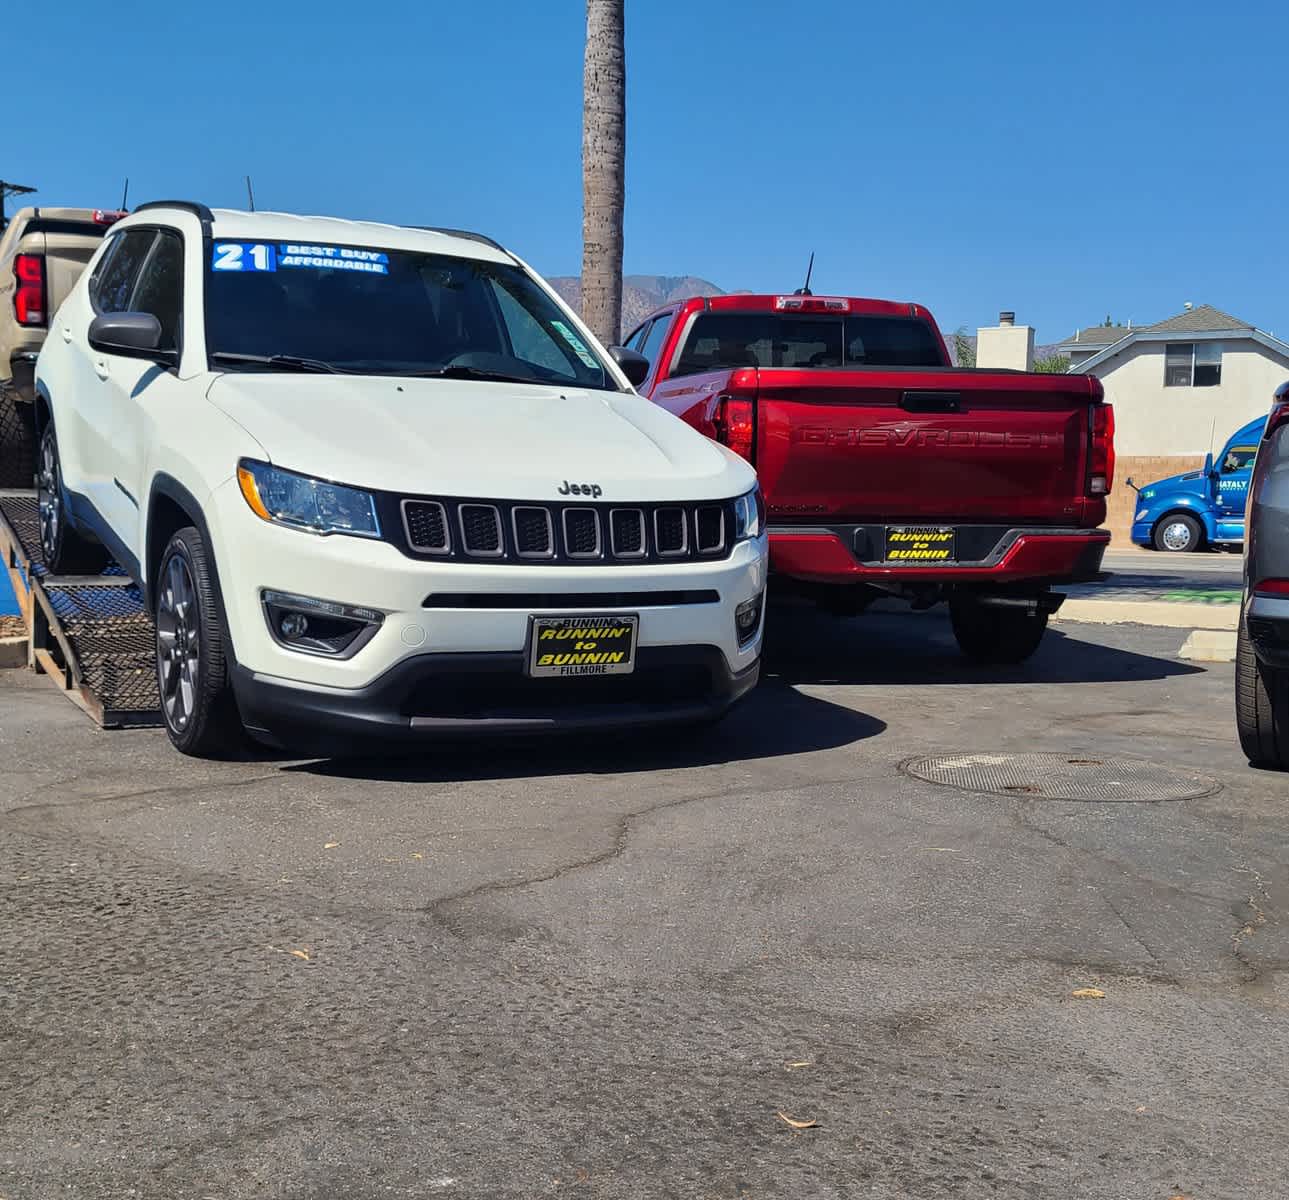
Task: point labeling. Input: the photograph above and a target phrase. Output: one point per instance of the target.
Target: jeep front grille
(581, 533)
(572, 534)
(534, 533)
(427, 526)
(481, 530)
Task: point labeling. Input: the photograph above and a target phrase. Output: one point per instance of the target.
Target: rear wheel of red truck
(989, 633)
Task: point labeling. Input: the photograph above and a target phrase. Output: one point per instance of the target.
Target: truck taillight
(29, 296)
(735, 427)
(1101, 452)
(104, 216)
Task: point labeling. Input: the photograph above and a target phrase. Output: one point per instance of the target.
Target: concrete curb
(1209, 645)
(13, 652)
(1151, 612)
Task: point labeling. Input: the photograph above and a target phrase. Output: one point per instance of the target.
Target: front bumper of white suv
(401, 643)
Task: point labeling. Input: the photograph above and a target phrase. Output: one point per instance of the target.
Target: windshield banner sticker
(578, 346)
(244, 256)
(248, 256)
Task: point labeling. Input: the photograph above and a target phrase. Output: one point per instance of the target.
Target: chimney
(1006, 345)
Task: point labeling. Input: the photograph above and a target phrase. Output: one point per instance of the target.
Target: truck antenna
(805, 291)
(125, 195)
(250, 194)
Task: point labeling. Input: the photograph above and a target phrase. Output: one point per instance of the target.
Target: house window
(1192, 364)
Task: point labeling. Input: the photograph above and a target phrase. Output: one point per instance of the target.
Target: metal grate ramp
(90, 634)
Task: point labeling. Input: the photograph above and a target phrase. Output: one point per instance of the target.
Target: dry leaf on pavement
(331, 845)
(787, 1120)
(1088, 994)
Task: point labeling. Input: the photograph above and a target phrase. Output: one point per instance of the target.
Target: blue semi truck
(1200, 508)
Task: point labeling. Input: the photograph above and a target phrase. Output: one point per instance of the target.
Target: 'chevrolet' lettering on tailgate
(822, 435)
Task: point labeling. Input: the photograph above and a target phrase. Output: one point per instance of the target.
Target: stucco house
(1179, 387)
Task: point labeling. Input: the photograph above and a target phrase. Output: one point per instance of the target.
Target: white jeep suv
(375, 480)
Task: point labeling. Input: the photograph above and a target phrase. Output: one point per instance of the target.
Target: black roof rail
(200, 211)
(463, 233)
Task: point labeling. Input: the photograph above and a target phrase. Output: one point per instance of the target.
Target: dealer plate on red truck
(920, 543)
(582, 645)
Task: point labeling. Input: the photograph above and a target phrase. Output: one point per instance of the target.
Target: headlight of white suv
(749, 515)
(301, 502)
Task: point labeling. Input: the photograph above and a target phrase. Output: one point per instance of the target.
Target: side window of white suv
(159, 290)
(113, 282)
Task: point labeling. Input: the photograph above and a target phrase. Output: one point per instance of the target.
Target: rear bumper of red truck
(983, 554)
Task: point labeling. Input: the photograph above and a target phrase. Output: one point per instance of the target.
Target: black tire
(1261, 706)
(66, 552)
(993, 633)
(17, 441)
(197, 703)
(1168, 534)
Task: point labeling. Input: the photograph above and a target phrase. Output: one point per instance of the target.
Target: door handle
(101, 369)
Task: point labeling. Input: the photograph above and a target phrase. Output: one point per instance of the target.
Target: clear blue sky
(1063, 161)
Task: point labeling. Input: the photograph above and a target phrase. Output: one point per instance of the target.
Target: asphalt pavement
(764, 961)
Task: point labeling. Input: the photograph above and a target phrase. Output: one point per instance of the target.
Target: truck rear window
(719, 340)
(76, 228)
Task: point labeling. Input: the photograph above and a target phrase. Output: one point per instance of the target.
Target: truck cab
(1201, 508)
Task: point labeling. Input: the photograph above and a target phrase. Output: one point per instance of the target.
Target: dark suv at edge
(1262, 654)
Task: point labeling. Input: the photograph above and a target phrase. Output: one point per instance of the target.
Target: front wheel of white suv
(197, 701)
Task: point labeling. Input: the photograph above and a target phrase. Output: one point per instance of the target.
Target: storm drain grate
(1061, 777)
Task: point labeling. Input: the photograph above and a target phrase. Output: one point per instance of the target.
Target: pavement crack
(1136, 937)
(170, 790)
(622, 835)
(1254, 919)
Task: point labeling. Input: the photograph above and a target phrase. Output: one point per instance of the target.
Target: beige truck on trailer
(42, 253)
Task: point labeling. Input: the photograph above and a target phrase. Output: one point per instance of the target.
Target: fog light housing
(747, 619)
(293, 626)
(313, 626)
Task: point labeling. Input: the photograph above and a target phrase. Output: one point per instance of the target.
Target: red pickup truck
(886, 470)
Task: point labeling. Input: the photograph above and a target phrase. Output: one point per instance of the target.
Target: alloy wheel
(49, 498)
(1177, 535)
(178, 643)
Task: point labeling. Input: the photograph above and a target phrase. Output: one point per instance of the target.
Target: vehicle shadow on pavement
(774, 720)
(808, 646)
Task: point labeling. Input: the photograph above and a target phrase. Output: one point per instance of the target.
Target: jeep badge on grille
(594, 490)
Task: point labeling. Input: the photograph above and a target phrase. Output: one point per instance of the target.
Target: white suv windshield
(389, 312)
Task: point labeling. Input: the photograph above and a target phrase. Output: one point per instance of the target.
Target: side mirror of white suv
(129, 334)
(634, 366)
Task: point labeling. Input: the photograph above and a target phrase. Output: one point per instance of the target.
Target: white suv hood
(472, 438)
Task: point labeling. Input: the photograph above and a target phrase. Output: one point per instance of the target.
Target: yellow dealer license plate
(594, 645)
(919, 544)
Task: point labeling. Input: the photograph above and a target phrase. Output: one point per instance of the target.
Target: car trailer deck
(90, 634)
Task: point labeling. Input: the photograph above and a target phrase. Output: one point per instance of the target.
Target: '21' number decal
(244, 256)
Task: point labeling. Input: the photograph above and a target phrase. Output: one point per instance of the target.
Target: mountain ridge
(641, 294)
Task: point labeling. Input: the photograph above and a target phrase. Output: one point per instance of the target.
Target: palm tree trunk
(604, 141)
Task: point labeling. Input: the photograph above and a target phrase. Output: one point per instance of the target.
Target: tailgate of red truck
(927, 445)
(964, 475)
